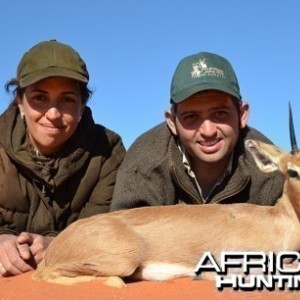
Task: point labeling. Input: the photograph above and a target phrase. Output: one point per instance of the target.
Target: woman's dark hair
(14, 87)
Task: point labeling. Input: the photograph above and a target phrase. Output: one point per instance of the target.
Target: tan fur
(155, 243)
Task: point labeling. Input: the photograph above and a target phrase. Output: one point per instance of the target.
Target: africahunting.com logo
(251, 271)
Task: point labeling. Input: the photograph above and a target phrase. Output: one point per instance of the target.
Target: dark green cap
(203, 71)
(51, 58)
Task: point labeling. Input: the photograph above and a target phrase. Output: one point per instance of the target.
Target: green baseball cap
(51, 58)
(203, 71)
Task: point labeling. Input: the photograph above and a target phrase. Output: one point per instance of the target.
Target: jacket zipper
(44, 190)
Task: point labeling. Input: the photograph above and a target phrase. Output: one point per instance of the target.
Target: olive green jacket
(44, 195)
(153, 173)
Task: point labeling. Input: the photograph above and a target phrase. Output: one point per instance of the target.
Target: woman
(57, 165)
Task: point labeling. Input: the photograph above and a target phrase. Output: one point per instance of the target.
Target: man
(198, 155)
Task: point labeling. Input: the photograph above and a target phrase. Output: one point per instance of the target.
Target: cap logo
(201, 69)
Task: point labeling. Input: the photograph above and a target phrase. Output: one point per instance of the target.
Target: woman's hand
(34, 245)
(11, 260)
(20, 254)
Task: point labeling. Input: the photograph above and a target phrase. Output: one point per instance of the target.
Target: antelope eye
(293, 174)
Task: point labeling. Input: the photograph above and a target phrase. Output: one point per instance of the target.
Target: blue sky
(132, 47)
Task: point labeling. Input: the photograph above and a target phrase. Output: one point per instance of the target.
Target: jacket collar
(232, 183)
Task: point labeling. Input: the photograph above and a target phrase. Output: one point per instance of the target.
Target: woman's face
(52, 108)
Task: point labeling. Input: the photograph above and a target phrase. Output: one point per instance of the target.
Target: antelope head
(270, 158)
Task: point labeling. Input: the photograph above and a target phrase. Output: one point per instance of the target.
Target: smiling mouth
(52, 127)
(209, 143)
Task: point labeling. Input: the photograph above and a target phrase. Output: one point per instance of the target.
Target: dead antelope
(159, 243)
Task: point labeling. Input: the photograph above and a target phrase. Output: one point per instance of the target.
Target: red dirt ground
(24, 288)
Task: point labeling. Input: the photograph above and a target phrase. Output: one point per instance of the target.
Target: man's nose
(207, 128)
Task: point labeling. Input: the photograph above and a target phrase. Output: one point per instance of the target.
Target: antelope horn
(292, 132)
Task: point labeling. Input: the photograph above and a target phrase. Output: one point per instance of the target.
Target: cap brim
(45, 73)
(188, 92)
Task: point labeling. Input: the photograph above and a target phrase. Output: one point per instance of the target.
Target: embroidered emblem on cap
(201, 69)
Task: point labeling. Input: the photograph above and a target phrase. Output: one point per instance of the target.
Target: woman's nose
(53, 113)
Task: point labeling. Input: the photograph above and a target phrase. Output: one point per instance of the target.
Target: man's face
(208, 125)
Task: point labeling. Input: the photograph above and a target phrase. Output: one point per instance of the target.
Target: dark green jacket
(153, 173)
(44, 195)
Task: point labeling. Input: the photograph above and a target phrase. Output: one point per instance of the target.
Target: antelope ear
(266, 156)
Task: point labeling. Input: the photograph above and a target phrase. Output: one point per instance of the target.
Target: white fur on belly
(164, 271)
